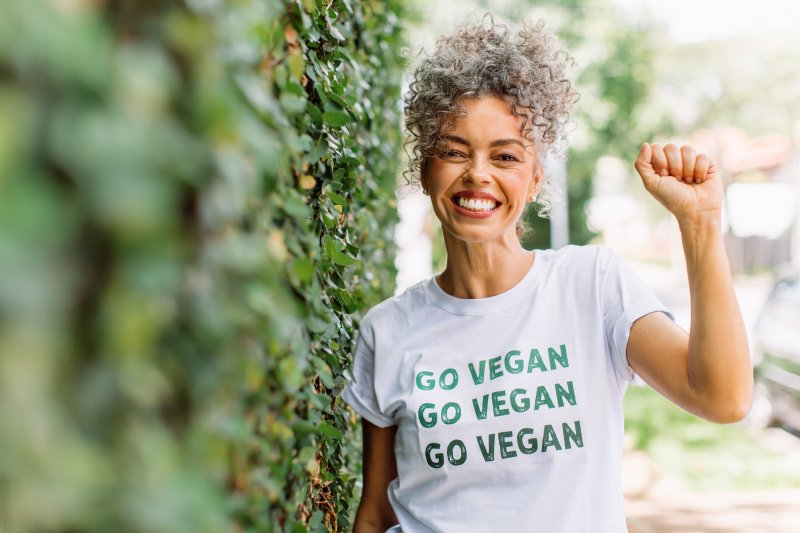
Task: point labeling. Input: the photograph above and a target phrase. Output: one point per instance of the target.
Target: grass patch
(706, 457)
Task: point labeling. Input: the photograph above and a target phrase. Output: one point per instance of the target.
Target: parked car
(776, 358)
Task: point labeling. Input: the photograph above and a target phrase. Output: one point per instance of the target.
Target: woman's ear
(535, 184)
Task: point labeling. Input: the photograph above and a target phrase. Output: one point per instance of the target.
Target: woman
(491, 394)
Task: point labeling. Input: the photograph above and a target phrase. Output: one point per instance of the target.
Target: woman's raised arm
(707, 372)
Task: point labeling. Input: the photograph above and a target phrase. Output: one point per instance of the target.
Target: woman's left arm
(707, 372)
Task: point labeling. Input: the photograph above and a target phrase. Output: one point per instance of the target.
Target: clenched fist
(687, 184)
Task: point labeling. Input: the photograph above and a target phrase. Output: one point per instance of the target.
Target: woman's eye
(449, 153)
(508, 157)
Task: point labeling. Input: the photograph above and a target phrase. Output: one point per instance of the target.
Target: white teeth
(476, 205)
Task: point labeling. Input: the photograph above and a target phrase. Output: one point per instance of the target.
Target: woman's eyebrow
(501, 142)
(498, 142)
(455, 139)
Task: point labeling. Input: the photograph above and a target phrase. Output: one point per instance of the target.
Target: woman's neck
(480, 270)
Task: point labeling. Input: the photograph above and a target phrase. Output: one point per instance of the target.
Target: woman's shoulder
(582, 266)
(395, 310)
(580, 254)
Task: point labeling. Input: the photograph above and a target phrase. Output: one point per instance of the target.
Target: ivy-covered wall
(196, 203)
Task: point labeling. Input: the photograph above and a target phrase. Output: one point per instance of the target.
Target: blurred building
(762, 195)
(760, 214)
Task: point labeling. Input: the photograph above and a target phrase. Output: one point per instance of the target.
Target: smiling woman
(527, 70)
(428, 377)
(483, 169)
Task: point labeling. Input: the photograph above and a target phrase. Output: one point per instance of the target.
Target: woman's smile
(475, 204)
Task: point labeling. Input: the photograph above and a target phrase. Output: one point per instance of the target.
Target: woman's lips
(476, 195)
(475, 207)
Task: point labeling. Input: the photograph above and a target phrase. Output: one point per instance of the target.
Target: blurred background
(723, 76)
(199, 199)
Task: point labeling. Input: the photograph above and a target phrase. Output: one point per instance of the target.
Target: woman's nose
(478, 171)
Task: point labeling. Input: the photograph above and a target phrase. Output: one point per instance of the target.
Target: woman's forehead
(487, 115)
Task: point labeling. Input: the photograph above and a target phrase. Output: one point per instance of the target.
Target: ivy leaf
(323, 371)
(339, 37)
(316, 324)
(347, 302)
(303, 269)
(315, 113)
(294, 206)
(340, 100)
(310, 6)
(344, 260)
(338, 200)
(331, 431)
(297, 65)
(307, 181)
(334, 253)
(336, 119)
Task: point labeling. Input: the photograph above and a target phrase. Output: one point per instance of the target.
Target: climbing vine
(196, 204)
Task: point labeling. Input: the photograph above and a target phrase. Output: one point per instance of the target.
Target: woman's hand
(687, 184)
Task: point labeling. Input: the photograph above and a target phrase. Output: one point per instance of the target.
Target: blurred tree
(615, 59)
(750, 82)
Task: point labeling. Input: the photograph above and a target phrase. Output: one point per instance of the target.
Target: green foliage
(705, 456)
(195, 204)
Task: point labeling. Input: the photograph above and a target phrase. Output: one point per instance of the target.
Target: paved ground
(657, 503)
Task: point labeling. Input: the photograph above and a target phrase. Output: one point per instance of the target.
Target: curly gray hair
(528, 70)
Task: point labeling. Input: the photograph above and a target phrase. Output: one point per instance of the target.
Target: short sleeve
(626, 298)
(359, 393)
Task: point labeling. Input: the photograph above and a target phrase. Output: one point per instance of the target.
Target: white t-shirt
(508, 407)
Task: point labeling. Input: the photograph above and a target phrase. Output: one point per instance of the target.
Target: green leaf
(344, 260)
(334, 252)
(339, 37)
(294, 205)
(306, 453)
(338, 200)
(294, 105)
(347, 302)
(300, 428)
(297, 65)
(315, 524)
(340, 100)
(303, 269)
(317, 324)
(324, 372)
(314, 113)
(336, 119)
(331, 431)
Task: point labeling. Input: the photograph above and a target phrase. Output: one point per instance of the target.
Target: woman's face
(483, 174)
